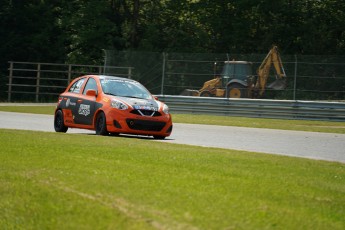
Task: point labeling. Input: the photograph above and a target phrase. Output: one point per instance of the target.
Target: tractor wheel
(237, 90)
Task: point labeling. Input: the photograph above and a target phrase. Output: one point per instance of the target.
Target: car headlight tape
(166, 109)
(118, 105)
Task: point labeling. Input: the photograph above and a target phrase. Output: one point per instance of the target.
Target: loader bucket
(190, 92)
(278, 84)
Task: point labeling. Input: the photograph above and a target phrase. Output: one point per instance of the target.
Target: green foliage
(30, 31)
(76, 31)
(91, 28)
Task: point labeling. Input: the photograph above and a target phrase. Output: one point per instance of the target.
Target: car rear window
(75, 88)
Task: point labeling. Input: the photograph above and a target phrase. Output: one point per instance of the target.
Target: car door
(85, 105)
(70, 100)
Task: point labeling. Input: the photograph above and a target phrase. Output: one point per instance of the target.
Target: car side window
(91, 84)
(75, 88)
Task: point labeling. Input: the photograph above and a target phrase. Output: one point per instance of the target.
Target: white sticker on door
(84, 109)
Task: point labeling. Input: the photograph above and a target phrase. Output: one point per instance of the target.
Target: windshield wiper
(133, 97)
(112, 94)
(126, 96)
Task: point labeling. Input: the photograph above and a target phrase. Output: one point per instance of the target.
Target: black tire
(237, 90)
(101, 126)
(159, 137)
(59, 125)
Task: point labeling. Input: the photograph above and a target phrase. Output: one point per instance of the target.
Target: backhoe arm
(212, 84)
(264, 70)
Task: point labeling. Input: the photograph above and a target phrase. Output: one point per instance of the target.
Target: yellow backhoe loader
(238, 81)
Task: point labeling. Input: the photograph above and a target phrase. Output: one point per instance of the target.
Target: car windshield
(123, 88)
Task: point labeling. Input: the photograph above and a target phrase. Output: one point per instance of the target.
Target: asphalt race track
(323, 146)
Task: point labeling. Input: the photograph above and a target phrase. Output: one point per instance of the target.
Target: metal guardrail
(260, 108)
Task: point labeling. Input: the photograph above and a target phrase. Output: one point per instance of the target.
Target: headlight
(166, 109)
(118, 105)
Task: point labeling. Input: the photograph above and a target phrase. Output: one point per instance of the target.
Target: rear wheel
(59, 125)
(101, 126)
(237, 90)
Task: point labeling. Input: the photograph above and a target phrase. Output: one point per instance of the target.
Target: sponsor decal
(105, 99)
(68, 103)
(145, 107)
(84, 110)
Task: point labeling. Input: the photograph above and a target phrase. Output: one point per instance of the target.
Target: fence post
(10, 82)
(38, 81)
(105, 61)
(129, 72)
(69, 74)
(295, 79)
(163, 75)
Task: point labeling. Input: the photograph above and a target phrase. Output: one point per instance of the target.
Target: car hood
(138, 103)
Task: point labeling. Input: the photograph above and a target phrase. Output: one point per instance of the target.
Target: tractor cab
(239, 70)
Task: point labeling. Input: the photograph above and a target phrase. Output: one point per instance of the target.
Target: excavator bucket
(278, 84)
(190, 92)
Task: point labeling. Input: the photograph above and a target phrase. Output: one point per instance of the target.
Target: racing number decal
(84, 111)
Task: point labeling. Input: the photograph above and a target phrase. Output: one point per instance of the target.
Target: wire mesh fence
(308, 77)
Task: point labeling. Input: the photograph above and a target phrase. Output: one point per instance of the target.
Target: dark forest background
(77, 31)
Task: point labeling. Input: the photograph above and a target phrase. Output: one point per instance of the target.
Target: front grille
(145, 125)
(148, 113)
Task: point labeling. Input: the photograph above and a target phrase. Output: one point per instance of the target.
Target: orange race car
(113, 105)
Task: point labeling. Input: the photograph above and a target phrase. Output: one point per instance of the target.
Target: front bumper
(129, 123)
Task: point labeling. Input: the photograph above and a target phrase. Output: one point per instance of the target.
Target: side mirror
(91, 92)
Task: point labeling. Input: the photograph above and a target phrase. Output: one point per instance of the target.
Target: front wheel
(101, 126)
(59, 125)
(237, 90)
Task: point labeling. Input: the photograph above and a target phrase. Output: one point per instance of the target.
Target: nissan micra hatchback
(112, 105)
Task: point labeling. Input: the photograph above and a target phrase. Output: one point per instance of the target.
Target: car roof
(108, 77)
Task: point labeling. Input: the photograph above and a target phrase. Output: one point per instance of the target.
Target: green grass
(75, 181)
(301, 125)
(29, 109)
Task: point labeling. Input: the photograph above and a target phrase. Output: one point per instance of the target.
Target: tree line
(76, 31)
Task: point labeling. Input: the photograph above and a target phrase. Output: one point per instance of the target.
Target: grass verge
(29, 109)
(64, 181)
(299, 125)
